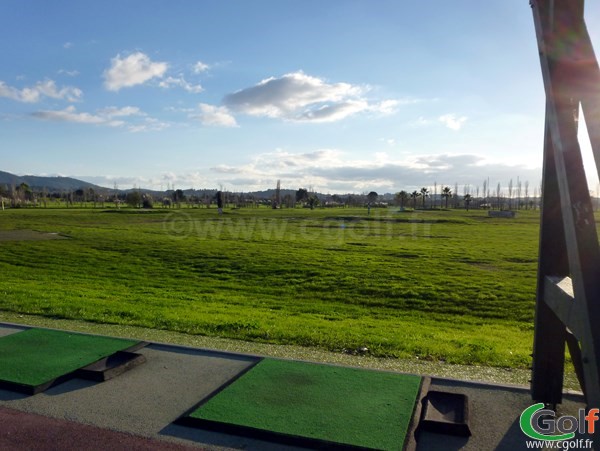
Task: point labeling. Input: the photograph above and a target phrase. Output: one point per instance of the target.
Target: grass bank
(450, 286)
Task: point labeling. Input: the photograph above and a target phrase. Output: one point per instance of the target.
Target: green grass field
(445, 285)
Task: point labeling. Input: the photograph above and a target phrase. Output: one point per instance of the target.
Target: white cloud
(68, 45)
(182, 83)
(132, 70)
(420, 122)
(200, 67)
(335, 171)
(388, 141)
(300, 97)
(452, 121)
(174, 109)
(69, 114)
(46, 88)
(214, 116)
(129, 117)
(332, 170)
(113, 111)
(149, 124)
(387, 106)
(334, 112)
(70, 73)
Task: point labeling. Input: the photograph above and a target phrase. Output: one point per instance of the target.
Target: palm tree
(401, 198)
(468, 200)
(424, 195)
(446, 193)
(414, 196)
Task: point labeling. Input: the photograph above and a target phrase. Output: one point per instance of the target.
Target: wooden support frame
(568, 293)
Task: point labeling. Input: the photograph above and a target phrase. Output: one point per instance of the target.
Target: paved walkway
(136, 410)
(29, 431)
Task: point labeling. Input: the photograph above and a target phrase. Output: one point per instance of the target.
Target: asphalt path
(137, 410)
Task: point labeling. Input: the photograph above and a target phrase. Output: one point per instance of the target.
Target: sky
(334, 96)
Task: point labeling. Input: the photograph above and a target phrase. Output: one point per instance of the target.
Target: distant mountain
(63, 184)
(50, 183)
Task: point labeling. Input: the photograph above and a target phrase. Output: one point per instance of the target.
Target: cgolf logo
(541, 424)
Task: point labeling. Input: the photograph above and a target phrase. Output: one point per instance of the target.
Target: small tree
(133, 199)
(80, 196)
(313, 201)
(467, 200)
(24, 192)
(372, 197)
(91, 195)
(178, 197)
(147, 201)
(288, 201)
(301, 195)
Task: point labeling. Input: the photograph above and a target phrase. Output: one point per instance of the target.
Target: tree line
(515, 196)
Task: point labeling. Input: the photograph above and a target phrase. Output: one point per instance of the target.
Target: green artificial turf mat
(36, 356)
(343, 405)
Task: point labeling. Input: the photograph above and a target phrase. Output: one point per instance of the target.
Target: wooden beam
(558, 26)
(549, 333)
(576, 358)
(559, 297)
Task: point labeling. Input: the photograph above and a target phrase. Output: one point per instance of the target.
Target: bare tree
(498, 196)
(485, 185)
(519, 190)
(456, 201)
(510, 192)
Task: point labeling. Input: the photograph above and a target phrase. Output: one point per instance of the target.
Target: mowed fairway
(450, 285)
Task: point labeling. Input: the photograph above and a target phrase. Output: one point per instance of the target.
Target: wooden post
(569, 249)
(550, 332)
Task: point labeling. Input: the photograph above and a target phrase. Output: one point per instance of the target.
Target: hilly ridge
(56, 183)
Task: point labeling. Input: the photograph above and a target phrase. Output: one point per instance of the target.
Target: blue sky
(340, 96)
